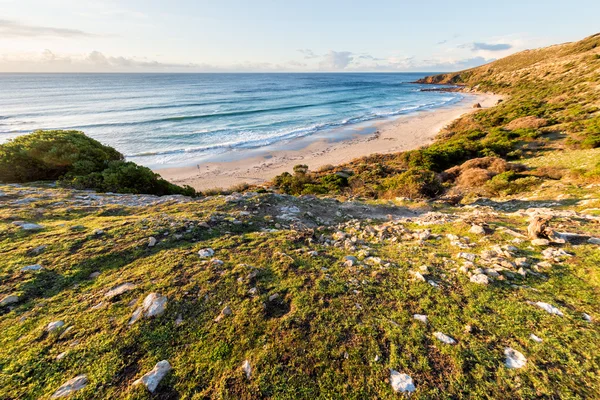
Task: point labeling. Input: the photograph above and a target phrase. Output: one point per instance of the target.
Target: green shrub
(49, 155)
(126, 177)
(414, 183)
(511, 182)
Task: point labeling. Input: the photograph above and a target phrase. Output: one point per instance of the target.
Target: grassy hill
(416, 272)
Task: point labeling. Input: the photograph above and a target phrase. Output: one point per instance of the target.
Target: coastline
(381, 137)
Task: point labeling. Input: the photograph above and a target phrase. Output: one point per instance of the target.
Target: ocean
(166, 120)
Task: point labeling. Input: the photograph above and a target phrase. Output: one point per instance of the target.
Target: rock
(549, 308)
(94, 275)
(37, 250)
(535, 338)
(401, 383)
(11, 299)
(594, 240)
(480, 279)
(179, 320)
(587, 317)
(467, 256)
(478, 230)
(137, 314)
(538, 227)
(34, 267)
(476, 105)
(540, 242)
(154, 305)
(206, 253)
(55, 325)
(61, 356)
(273, 296)
(514, 359)
(70, 386)
(98, 232)
(153, 378)
(247, 368)
(420, 317)
(224, 313)
(350, 261)
(31, 227)
(119, 290)
(151, 242)
(444, 338)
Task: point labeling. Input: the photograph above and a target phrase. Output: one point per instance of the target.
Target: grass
(319, 340)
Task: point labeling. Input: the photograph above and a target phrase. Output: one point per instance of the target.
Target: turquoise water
(163, 120)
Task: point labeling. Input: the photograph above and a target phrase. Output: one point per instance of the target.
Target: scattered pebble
(444, 338)
(247, 368)
(119, 290)
(206, 253)
(587, 317)
(549, 308)
(514, 359)
(420, 317)
(535, 338)
(480, 279)
(34, 267)
(53, 326)
(401, 383)
(153, 378)
(151, 242)
(70, 386)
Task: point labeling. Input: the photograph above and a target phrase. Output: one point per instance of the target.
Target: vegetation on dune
(553, 103)
(78, 161)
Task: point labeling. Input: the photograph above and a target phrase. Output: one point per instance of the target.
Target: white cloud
(336, 60)
(14, 29)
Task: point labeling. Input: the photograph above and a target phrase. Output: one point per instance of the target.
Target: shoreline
(403, 133)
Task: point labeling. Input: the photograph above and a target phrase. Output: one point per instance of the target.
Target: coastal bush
(49, 155)
(78, 161)
(414, 183)
(126, 177)
(511, 182)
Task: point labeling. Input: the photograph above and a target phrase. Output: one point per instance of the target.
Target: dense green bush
(78, 161)
(126, 177)
(511, 182)
(49, 155)
(414, 183)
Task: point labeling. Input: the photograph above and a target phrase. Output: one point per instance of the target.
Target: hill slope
(266, 295)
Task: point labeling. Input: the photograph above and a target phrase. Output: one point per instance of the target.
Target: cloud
(308, 54)
(14, 29)
(476, 46)
(336, 60)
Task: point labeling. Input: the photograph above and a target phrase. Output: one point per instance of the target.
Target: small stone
(137, 314)
(247, 368)
(53, 326)
(224, 313)
(179, 320)
(477, 230)
(206, 253)
(535, 338)
(467, 256)
(420, 317)
(549, 308)
(11, 299)
(253, 291)
(401, 383)
(61, 356)
(273, 296)
(94, 275)
(444, 338)
(480, 279)
(154, 305)
(70, 386)
(514, 359)
(34, 267)
(119, 290)
(540, 242)
(153, 378)
(151, 242)
(98, 232)
(350, 261)
(587, 317)
(594, 240)
(31, 227)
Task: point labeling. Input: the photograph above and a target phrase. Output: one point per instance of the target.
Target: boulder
(514, 359)
(480, 279)
(153, 378)
(11, 299)
(401, 383)
(70, 386)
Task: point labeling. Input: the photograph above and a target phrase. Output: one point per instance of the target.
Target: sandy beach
(387, 136)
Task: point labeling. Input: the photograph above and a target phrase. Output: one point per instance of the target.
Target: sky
(280, 36)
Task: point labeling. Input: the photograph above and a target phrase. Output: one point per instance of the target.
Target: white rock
(119, 290)
(540, 242)
(11, 299)
(514, 359)
(480, 279)
(224, 313)
(247, 368)
(401, 383)
(477, 230)
(420, 317)
(34, 267)
(70, 386)
(98, 232)
(31, 227)
(94, 275)
(151, 242)
(137, 314)
(154, 305)
(444, 338)
(587, 317)
(549, 308)
(535, 338)
(153, 378)
(273, 296)
(206, 253)
(52, 326)
(594, 240)
(467, 256)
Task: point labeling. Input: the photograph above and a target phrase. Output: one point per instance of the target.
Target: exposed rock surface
(153, 378)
